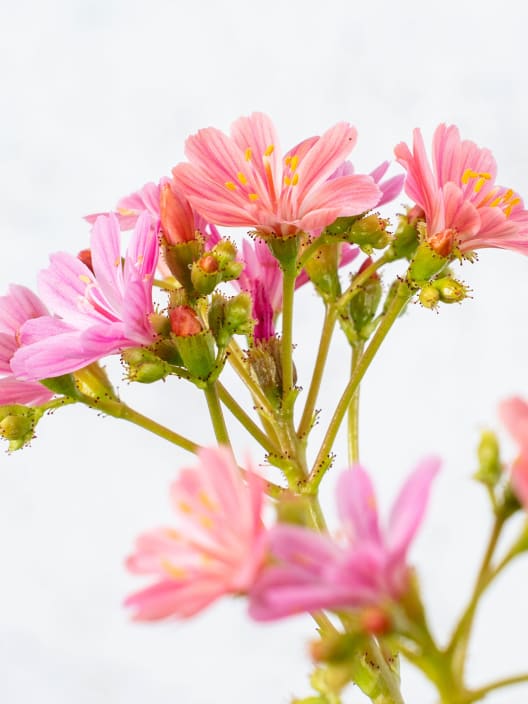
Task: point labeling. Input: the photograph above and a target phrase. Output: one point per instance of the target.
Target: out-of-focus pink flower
(514, 415)
(315, 572)
(459, 196)
(390, 188)
(215, 548)
(98, 312)
(244, 180)
(19, 306)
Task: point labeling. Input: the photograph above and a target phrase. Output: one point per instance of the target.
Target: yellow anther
(287, 181)
(294, 162)
(515, 202)
(126, 211)
(478, 186)
(206, 500)
(468, 173)
(85, 279)
(117, 261)
(172, 570)
(139, 260)
(247, 154)
(184, 507)
(496, 202)
(206, 522)
(295, 180)
(287, 160)
(509, 193)
(241, 178)
(230, 185)
(253, 196)
(269, 150)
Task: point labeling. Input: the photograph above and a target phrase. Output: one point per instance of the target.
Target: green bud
(370, 232)
(364, 305)
(17, 424)
(265, 364)
(204, 282)
(230, 316)
(450, 290)
(429, 296)
(322, 269)
(341, 227)
(225, 253)
(489, 470)
(143, 365)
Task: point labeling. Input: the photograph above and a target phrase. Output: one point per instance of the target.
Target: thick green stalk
(117, 409)
(477, 694)
(245, 420)
(217, 416)
(398, 303)
(320, 362)
(353, 409)
(288, 290)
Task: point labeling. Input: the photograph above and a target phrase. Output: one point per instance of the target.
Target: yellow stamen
(117, 261)
(206, 522)
(230, 185)
(507, 195)
(496, 202)
(126, 211)
(184, 507)
(85, 279)
(247, 154)
(253, 196)
(478, 186)
(269, 150)
(287, 160)
(287, 181)
(206, 500)
(139, 260)
(468, 173)
(294, 162)
(295, 180)
(241, 178)
(172, 570)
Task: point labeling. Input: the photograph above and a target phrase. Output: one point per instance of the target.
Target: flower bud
(184, 321)
(17, 424)
(85, 256)
(429, 296)
(180, 258)
(364, 304)
(405, 240)
(369, 232)
(375, 620)
(177, 219)
(143, 365)
(322, 269)
(230, 316)
(489, 469)
(197, 351)
(265, 363)
(450, 290)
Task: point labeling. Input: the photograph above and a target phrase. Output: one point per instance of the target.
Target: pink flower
(461, 202)
(316, 572)
(514, 415)
(216, 547)
(97, 313)
(244, 180)
(19, 306)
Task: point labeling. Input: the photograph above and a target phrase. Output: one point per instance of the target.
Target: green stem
(245, 420)
(353, 409)
(481, 692)
(288, 290)
(238, 362)
(403, 295)
(117, 409)
(217, 416)
(457, 648)
(389, 678)
(58, 403)
(315, 384)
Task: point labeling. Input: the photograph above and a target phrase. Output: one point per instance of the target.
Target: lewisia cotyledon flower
(514, 415)
(244, 180)
(215, 547)
(463, 206)
(368, 568)
(19, 306)
(97, 311)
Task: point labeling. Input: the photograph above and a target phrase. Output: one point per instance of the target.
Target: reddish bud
(177, 219)
(85, 256)
(365, 265)
(375, 621)
(442, 243)
(208, 263)
(184, 321)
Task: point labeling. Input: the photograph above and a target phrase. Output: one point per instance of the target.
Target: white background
(95, 99)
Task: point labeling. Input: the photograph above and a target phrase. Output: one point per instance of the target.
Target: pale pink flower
(461, 202)
(97, 312)
(514, 415)
(245, 180)
(215, 548)
(19, 306)
(368, 568)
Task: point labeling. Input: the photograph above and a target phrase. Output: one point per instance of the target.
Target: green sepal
(180, 258)
(17, 424)
(64, 385)
(322, 268)
(425, 264)
(197, 353)
(489, 470)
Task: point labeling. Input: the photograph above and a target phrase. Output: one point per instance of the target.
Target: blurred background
(96, 98)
